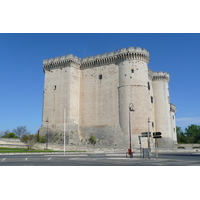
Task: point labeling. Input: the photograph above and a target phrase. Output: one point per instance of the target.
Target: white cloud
(186, 121)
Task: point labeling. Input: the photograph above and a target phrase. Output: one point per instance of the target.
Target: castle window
(54, 87)
(132, 70)
(152, 124)
(100, 76)
(151, 99)
(148, 86)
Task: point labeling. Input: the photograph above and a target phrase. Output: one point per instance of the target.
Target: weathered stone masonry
(96, 92)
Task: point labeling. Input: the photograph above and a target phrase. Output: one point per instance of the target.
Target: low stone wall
(187, 146)
(15, 142)
(10, 141)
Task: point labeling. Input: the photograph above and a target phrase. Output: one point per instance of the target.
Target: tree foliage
(41, 139)
(191, 134)
(29, 140)
(9, 135)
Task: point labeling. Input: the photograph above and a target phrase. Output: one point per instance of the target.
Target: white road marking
(3, 159)
(26, 158)
(49, 158)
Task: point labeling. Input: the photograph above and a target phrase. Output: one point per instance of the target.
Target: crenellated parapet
(172, 108)
(104, 59)
(61, 62)
(161, 76)
(116, 57)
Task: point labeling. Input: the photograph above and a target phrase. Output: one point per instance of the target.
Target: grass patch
(24, 150)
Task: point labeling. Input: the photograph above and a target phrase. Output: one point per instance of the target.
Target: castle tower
(61, 91)
(133, 88)
(162, 108)
(173, 122)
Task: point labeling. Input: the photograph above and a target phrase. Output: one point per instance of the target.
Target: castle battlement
(60, 62)
(172, 108)
(115, 57)
(123, 54)
(160, 76)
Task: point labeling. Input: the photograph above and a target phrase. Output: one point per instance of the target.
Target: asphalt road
(98, 159)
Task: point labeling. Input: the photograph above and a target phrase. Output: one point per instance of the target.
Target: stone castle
(96, 93)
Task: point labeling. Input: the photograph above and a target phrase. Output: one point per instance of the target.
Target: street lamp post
(148, 139)
(64, 127)
(130, 110)
(47, 136)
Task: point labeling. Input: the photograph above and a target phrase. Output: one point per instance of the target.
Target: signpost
(148, 135)
(155, 136)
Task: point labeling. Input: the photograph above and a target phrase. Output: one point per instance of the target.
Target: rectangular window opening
(148, 86)
(100, 76)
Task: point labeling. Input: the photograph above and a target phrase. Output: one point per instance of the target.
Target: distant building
(97, 91)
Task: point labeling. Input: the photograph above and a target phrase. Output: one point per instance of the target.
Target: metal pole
(130, 109)
(148, 139)
(131, 155)
(47, 137)
(139, 137)
(156, 148)
(64, 128)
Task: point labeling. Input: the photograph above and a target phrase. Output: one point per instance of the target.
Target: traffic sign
(157, 135)
(145, 134)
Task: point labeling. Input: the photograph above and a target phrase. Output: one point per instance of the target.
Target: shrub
(42, 139)
(92, 140)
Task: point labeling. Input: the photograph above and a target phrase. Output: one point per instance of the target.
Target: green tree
(29, 140)
(9, 135)
(192, 132)
(181, 137)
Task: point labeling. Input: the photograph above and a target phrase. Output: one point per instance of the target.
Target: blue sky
(22, 77)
